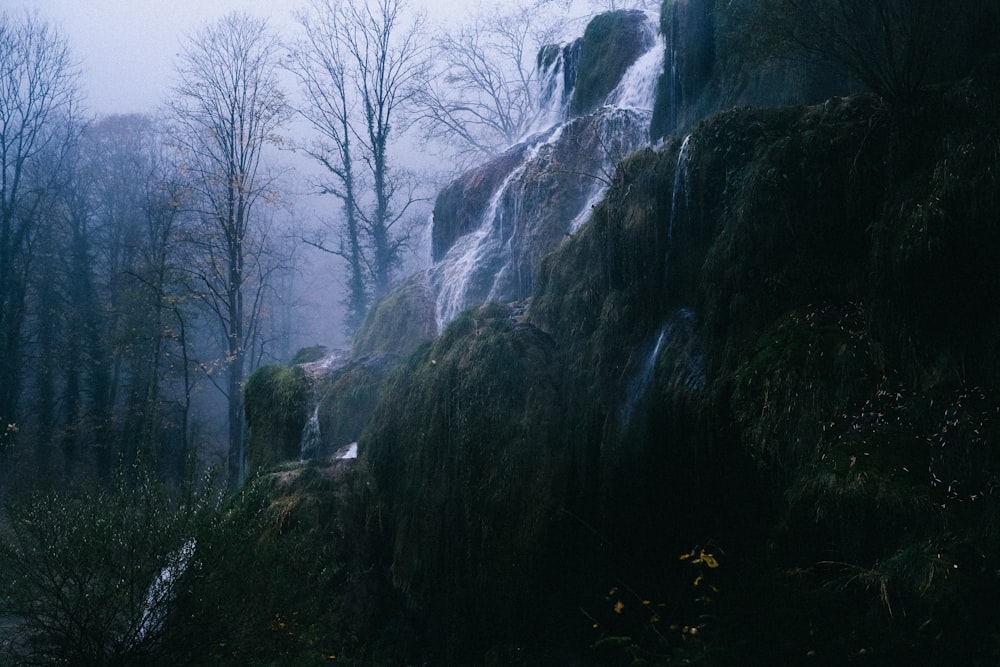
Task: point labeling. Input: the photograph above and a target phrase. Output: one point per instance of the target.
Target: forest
(686, 354)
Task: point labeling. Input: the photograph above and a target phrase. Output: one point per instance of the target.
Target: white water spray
(637, 89)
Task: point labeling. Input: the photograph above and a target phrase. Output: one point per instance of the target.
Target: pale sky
(127, 48)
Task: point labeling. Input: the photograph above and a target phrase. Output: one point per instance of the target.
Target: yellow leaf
(697, 580)
(684, 556)
(619, 606)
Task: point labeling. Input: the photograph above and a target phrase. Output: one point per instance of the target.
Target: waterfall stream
(160, 593)
(310, 443)
(680, 197)
(550, 194)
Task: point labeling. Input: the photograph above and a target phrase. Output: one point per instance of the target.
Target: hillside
(749, 413)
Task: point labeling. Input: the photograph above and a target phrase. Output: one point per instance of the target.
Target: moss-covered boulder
(400, 321)
(758, 389)
(777, 311)
(277, 401)
(284, 576)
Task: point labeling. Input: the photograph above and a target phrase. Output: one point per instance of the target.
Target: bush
(80, 570)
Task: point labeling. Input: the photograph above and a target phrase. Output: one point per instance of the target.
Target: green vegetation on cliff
(465, 478)
(277, 406)
(835, 263)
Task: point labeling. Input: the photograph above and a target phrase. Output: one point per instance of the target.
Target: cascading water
(476, 251)
(311, 441)
(309, 445)
(637, 89)
(680, 197)
(639, 385)
(685, 370)
(556, 77)
(160, 593)
(549, 195)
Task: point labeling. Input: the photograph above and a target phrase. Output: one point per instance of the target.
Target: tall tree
(136, 195)
(320, 64)
(227, 107)
(37, 97)
(360, 65)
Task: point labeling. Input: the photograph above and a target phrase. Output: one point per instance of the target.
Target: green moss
(276, 400)
(823, 403)
(349, 398)
(814, 366)
(399, 322)
(462, 458)
(283, 577)
(309, 354)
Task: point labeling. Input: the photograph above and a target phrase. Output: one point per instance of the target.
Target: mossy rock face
(831, 302)
(277, 403)
(308, 355)
(349, 398)
(399, 322)
(465, 477)
(813, 367)
(611, 43)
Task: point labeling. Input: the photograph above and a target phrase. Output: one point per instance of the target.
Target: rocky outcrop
(460, 205)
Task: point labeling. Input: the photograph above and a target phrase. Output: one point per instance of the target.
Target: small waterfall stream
(638, 387)
(160, 593)
(311, 437)
(680, 198)
(685, 365)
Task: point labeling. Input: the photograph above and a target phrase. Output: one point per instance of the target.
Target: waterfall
(453, 275)
(685, 369)
(556, 79)
(637, 89)
(680, 197)
(638, 387)
(161, 591)
(310, 444)
(550, 194)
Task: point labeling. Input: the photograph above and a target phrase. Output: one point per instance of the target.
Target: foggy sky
(127, 48)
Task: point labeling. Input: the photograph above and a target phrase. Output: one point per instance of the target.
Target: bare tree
(137, 196)
(615, 5)
(388, 66)
(359, 67)
(37, 97)
(320, 63)
(887, 44)
(483, 96)
(227, 108)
